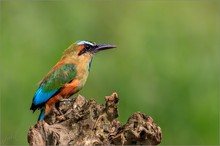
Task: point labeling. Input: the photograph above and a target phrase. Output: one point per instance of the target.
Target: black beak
(100, 47)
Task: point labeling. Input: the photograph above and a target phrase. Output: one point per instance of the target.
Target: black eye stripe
(87, 48)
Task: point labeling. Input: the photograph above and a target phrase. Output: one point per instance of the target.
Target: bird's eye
(87, 47)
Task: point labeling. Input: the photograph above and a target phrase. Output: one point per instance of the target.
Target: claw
(67, 99)
(57, 105)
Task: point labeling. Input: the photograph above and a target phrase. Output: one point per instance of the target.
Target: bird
(67, 76)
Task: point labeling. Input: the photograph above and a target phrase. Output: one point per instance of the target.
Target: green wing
(58, 77)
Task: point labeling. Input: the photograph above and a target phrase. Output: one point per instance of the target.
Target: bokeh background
(166, 64)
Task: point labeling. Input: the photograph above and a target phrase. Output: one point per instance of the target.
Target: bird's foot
(67, 100)
(61, 102)
(57, 106)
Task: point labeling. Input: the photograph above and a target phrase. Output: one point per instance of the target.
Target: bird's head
(91, 48)
(86, 49)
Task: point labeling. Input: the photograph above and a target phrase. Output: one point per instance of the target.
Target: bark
(85, 122)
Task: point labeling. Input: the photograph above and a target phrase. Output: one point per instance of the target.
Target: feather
(52, 84)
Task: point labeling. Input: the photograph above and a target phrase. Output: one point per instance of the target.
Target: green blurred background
(166, 64)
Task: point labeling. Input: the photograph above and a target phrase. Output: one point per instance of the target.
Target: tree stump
(85, 122)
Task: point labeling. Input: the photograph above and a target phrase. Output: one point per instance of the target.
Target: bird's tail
(41, 116)
(33, 107)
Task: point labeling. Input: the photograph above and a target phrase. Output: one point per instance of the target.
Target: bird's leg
(57, 106)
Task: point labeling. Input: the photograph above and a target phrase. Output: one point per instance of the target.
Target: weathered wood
(85, 122)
